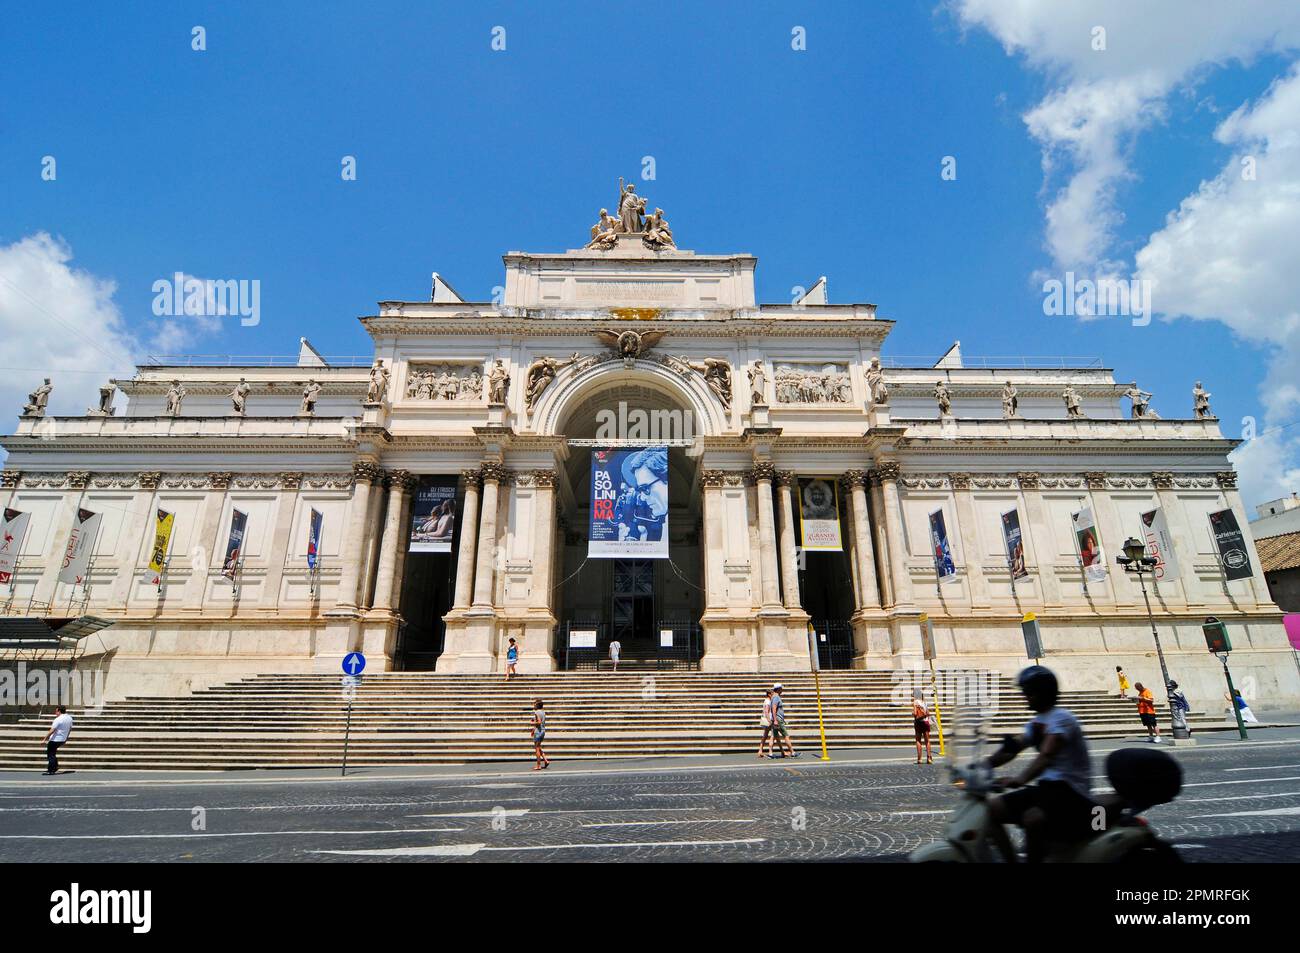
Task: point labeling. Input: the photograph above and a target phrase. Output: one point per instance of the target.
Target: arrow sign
(354, 663)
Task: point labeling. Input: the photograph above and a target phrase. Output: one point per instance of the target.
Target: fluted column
(1037, 538)
(544, 540)
(354, 546)
(281, 540)
(715, 583)
(863, 552)
(399, 489)
(468, 540)
(205, 543)
(786, 482)
(484, 568)
(888, 474)
(881, 539)
(967, 532)
(763, 474)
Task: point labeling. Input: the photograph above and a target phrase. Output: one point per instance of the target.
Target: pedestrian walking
(56, 738)
(1241, 706)
(779, 730)
(765, 721)
(615, 648)
(1178, 708)
(512, 660)
(921, 726)
(1123, 681)
(1147, 712)
(539, 735)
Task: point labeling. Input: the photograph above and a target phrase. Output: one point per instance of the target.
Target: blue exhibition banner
(944, 567)
(313, 537)
(629, 504)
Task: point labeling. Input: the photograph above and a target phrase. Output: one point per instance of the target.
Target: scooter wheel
(1158, 854)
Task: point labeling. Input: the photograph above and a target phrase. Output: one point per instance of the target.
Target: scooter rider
(1059, 806)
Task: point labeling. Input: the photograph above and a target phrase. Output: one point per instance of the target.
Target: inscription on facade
(611, 290)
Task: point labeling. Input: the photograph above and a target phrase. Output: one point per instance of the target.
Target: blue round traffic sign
(354, 663)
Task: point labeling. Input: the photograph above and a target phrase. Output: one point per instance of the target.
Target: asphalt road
(1241, 802)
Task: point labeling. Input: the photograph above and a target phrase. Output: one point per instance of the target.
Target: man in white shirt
(60, 728)
(614, 648)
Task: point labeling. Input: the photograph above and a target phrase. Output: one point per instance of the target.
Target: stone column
(786, 482)
(468, 538)
(763, 474)
(968, 532)
(877, 504)
(715, 584)
(544, 538)
(281, 541)
(484, 568)
(399, 490)
(206, 541)
(137, 531)
(868, 596)
(1035, 534)
(888, 474)
(354, 545)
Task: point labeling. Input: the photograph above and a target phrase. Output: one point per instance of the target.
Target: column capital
(1227, 479)
(401, 480)
(78, 479)
(494, 473)
(1162, 479)
(762, 473)
(9, 478)
(544, 478)
(472, 477)
(1028, 479)
(787, 478)
(887, 472)
(149, 479)
(713, 477)
(365, 472)
(290, 480)
(219, 479)
(854, 478)
(959, 481)
(1096, 480)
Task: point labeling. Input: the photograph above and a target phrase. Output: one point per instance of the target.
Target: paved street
(1241, 802)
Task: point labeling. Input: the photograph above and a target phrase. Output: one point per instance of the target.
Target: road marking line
(504, 812)
(34, 809)
(437, 850)
(911, 813)
(1267, 767)
(408, 830)
(706, 820)
(618, 810)
(1215, 784)
(468, 850)
(1241, 797)
(690, 794)
(1270, 812)
(671, 843)
(74, 797)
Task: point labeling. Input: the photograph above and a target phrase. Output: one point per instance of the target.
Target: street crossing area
(1240, 803)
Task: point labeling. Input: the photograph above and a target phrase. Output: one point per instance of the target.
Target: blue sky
(226, 164)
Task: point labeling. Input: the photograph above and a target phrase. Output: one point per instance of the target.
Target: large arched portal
(650, 605)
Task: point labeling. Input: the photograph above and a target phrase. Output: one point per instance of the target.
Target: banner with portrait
(819, 514)
(629, 504)
(162, 537)
(1014, 540)
(12, 530)
(433, 516)
(941, 548)
(234, 544)
(1160, 544)
(1234, 557)
(81, 545)
(1088, 544)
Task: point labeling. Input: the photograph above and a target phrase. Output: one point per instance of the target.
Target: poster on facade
(1088, 544)
(1233, 555)
(944, 567)
(1160, 544)
(235, 544)
(1015, 543)
(629, 503)
(81, 544)
(314, 523)
(12, 531)
(433, 516)
(819, 515)
(162, 537)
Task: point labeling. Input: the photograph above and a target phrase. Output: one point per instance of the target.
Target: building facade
(495, 409)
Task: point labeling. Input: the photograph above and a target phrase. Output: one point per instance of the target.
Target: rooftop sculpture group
(631, 220)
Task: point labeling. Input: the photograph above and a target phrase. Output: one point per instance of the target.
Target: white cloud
(61, 322)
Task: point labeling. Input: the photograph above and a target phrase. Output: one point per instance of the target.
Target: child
(1123, 681)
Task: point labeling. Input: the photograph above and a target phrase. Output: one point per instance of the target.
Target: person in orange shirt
(1147, 712)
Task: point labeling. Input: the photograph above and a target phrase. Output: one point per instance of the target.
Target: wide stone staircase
(293, 721)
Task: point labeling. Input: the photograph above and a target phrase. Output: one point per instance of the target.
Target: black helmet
(1040, 687)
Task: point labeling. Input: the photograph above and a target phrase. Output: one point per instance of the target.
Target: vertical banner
(1233, 554)
(313, 537)
(944, 567)
(12, 531)
(234, 545)
(81, 544)
(433, 516)
(1160, 544)
(819, 515)
(162, 537)
(1015, 543)
(629, 504)
(1089, 545)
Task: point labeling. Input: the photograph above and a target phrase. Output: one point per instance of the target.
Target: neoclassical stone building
(501, 404)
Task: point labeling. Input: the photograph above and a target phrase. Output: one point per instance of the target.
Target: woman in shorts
(921, 726)
(539, 734)
(512, 659)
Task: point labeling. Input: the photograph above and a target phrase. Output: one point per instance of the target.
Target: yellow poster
(161, 538)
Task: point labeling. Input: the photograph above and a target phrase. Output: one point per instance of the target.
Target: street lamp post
(1135, 560)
